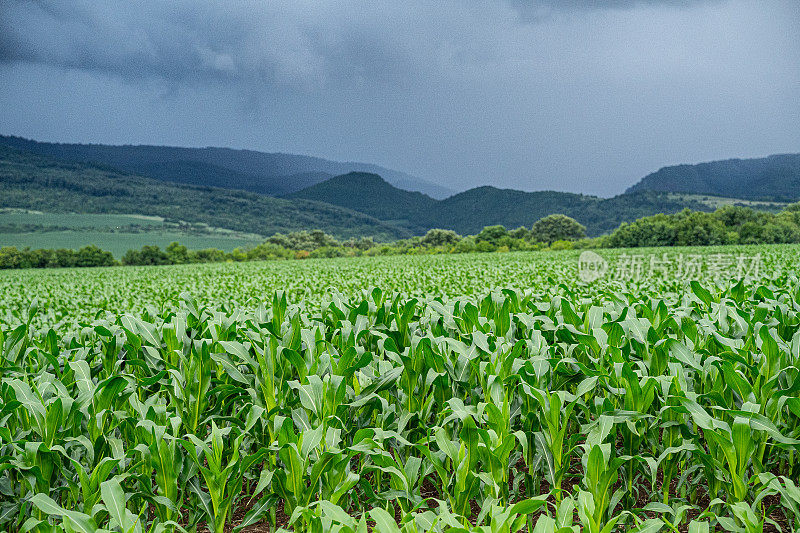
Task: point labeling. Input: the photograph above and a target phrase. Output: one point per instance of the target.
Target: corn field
(492, 393)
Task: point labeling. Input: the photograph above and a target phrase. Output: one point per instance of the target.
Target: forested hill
(471, 210)
(348, 205)
(372, 195)
(773, 178)
(468, 212)
(274, 174)
(32, 181)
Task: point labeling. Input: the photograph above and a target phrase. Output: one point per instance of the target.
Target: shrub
(148, 255)
(440, 237)
(557, 228)
(91, 256)
(561, 245)
(521, 232)
(492, 234)
(485, 246)
(177, 253)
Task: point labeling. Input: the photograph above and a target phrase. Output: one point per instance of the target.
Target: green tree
(91, 255)
(492, 234)
(696, 228)
(557, 228)
(10, 257)
(440, 237)
(521, 233)
(303, 240)
(735, 215)
(148, 255)
(209, 255)
(178, 254)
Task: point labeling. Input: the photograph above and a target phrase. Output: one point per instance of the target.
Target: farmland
(473, 392)
(115, 233)
(119, 243)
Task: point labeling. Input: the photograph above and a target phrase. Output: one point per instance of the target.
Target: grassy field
(77, 220)
(627, 390)
(115, 233)
(715, 202)
(119, 243)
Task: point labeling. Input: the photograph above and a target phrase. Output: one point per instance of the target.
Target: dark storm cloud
(251, 42)
(123, 38)
(274, 42)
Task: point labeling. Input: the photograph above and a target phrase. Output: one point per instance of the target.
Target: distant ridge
(469, 211)
(32, 181)
(370, 194)
(773, 178)
(275, 174)
(205, 185)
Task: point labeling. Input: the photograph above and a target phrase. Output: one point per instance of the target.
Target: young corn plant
(553, 416)
(222, 467)
(596, 503)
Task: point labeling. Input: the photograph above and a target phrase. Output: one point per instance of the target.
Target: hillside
(468, 212)
(773, 178)
(275, 174)
(374, 196)
(471, 210)
(351, 204)
(31, 181)
(116, 233)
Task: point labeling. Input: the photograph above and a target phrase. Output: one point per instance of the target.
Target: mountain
(370, 194)
(350, 204)
(773, 178)
(275, 174)
(468, 212)
(33, 181)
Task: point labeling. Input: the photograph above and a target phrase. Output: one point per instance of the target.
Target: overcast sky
(582, 96)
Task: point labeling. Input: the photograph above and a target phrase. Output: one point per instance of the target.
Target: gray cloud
(602, 4)
(582, 96)
(171, 41)
(537, 10)
(284, 42)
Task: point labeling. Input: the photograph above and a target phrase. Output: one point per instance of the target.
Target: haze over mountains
(274, 174)
(32, 181)
(263, 193)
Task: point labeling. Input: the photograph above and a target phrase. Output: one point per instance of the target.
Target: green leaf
(698, 527)
(81, 522)
(384, 522)
(529, 505)
(115, 502)
(701, 293)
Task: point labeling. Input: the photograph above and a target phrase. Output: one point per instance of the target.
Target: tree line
(726, 225)
(309, 244)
